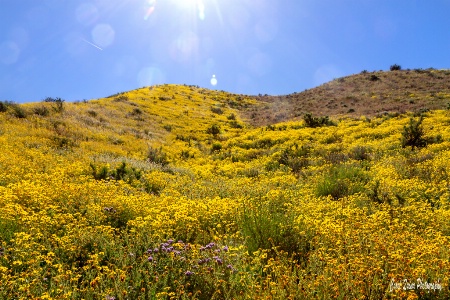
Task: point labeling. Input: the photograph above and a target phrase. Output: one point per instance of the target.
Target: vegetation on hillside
(368, 93)
(165, 192)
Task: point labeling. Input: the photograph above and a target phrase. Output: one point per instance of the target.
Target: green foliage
(4, 105)
(235, 124)
(157, 156)
(185, 154)
(295, 158)
(92, 113)
(133, 176)
(311, 121)
(18, 111)
(413, 134)
(216, 147)
(249, 172)
(41, 111)
(214, 129)
(122, 172)
(58, 103)
(7, 230)
(63, 142)
(374, 77)
(360, 153)
(217, 110)
(340, 181)
(99, 173)
(267, 224)
(232, 116)
(395, 67)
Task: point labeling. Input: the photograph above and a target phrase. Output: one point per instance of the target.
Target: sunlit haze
(90, 49)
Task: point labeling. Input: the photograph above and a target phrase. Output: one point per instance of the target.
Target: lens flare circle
(214, 80)
(103, 35)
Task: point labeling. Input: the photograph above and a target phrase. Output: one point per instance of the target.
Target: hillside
(364, 94)
(171, 192)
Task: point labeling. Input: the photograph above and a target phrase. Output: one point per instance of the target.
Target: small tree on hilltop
(395, 67)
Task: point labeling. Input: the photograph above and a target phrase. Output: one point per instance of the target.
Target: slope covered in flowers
(165, 193)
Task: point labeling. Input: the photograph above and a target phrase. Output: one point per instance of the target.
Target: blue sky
(90, 49)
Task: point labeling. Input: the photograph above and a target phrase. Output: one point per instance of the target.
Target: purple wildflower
(217, 250)
(170, 241)
(225, 249)
(218, 260)
(150, 259)
(156, 250)
(230, 267)
(189, 273)
(149, 251)
(177, 252)
(210, 245)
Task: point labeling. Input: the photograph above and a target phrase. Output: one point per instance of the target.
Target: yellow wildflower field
(165, 192)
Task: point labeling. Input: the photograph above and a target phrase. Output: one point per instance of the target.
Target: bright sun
(191, 5)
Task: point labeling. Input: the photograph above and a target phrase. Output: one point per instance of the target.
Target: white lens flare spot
(103, 35)
(214, 80)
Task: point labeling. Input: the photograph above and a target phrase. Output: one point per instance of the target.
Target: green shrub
(374, 77)
(157, 156)
(41, 111)
(413, 134)
(4, 105)
(62, 142)
(311, 121)
(213, 129)
(130, 175)
(217, 110)
(101, 173)
(136, 112)
(216, 147)
(266, 224)
(235, 124)
(296, 158)
(58, 103)
(360, 153)
(395, 67)
(340, 181)
(92, 113)
(232, 116)
(18, 111)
